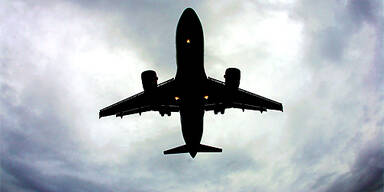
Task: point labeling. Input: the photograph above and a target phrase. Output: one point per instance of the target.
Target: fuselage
(190, 77)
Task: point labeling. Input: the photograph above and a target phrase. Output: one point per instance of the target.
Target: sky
(62, 61)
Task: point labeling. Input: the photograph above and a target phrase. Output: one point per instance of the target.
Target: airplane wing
(161, 99)
(220, 97)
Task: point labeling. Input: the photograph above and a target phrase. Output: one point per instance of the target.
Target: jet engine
(149, 80)
(232, 78)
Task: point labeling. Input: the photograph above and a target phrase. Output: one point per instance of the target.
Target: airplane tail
(193, 150)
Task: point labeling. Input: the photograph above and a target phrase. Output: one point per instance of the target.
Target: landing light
(206, 97)
(177, 98)
(188, 41)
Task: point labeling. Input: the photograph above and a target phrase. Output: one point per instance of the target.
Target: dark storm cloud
(28, 178)
(366, 174)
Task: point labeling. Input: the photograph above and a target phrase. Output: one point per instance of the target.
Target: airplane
(190, 92)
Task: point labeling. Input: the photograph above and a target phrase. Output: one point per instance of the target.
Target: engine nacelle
(232, 78)
(149, 80)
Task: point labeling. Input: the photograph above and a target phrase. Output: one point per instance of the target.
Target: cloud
(367, 172)
(29, 178)
(64, 60)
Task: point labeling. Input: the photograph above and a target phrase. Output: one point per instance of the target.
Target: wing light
(206, 97)
(177, 98)
(188, 41)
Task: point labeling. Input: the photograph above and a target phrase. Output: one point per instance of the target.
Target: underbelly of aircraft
(192, 116)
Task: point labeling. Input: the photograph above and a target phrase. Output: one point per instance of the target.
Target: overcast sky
(62, 61)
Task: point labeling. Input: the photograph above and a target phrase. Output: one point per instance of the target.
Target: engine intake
(232, 78)
(149, 80)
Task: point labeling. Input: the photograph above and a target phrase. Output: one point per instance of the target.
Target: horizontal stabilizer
(206, 148)
(192, 150)
(180, 149)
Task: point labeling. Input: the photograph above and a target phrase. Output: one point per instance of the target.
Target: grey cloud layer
(331, 134)
(366, 173)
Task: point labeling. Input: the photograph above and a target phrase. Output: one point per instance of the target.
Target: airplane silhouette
(191, 92)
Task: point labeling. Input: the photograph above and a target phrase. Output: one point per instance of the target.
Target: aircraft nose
(188, 12)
